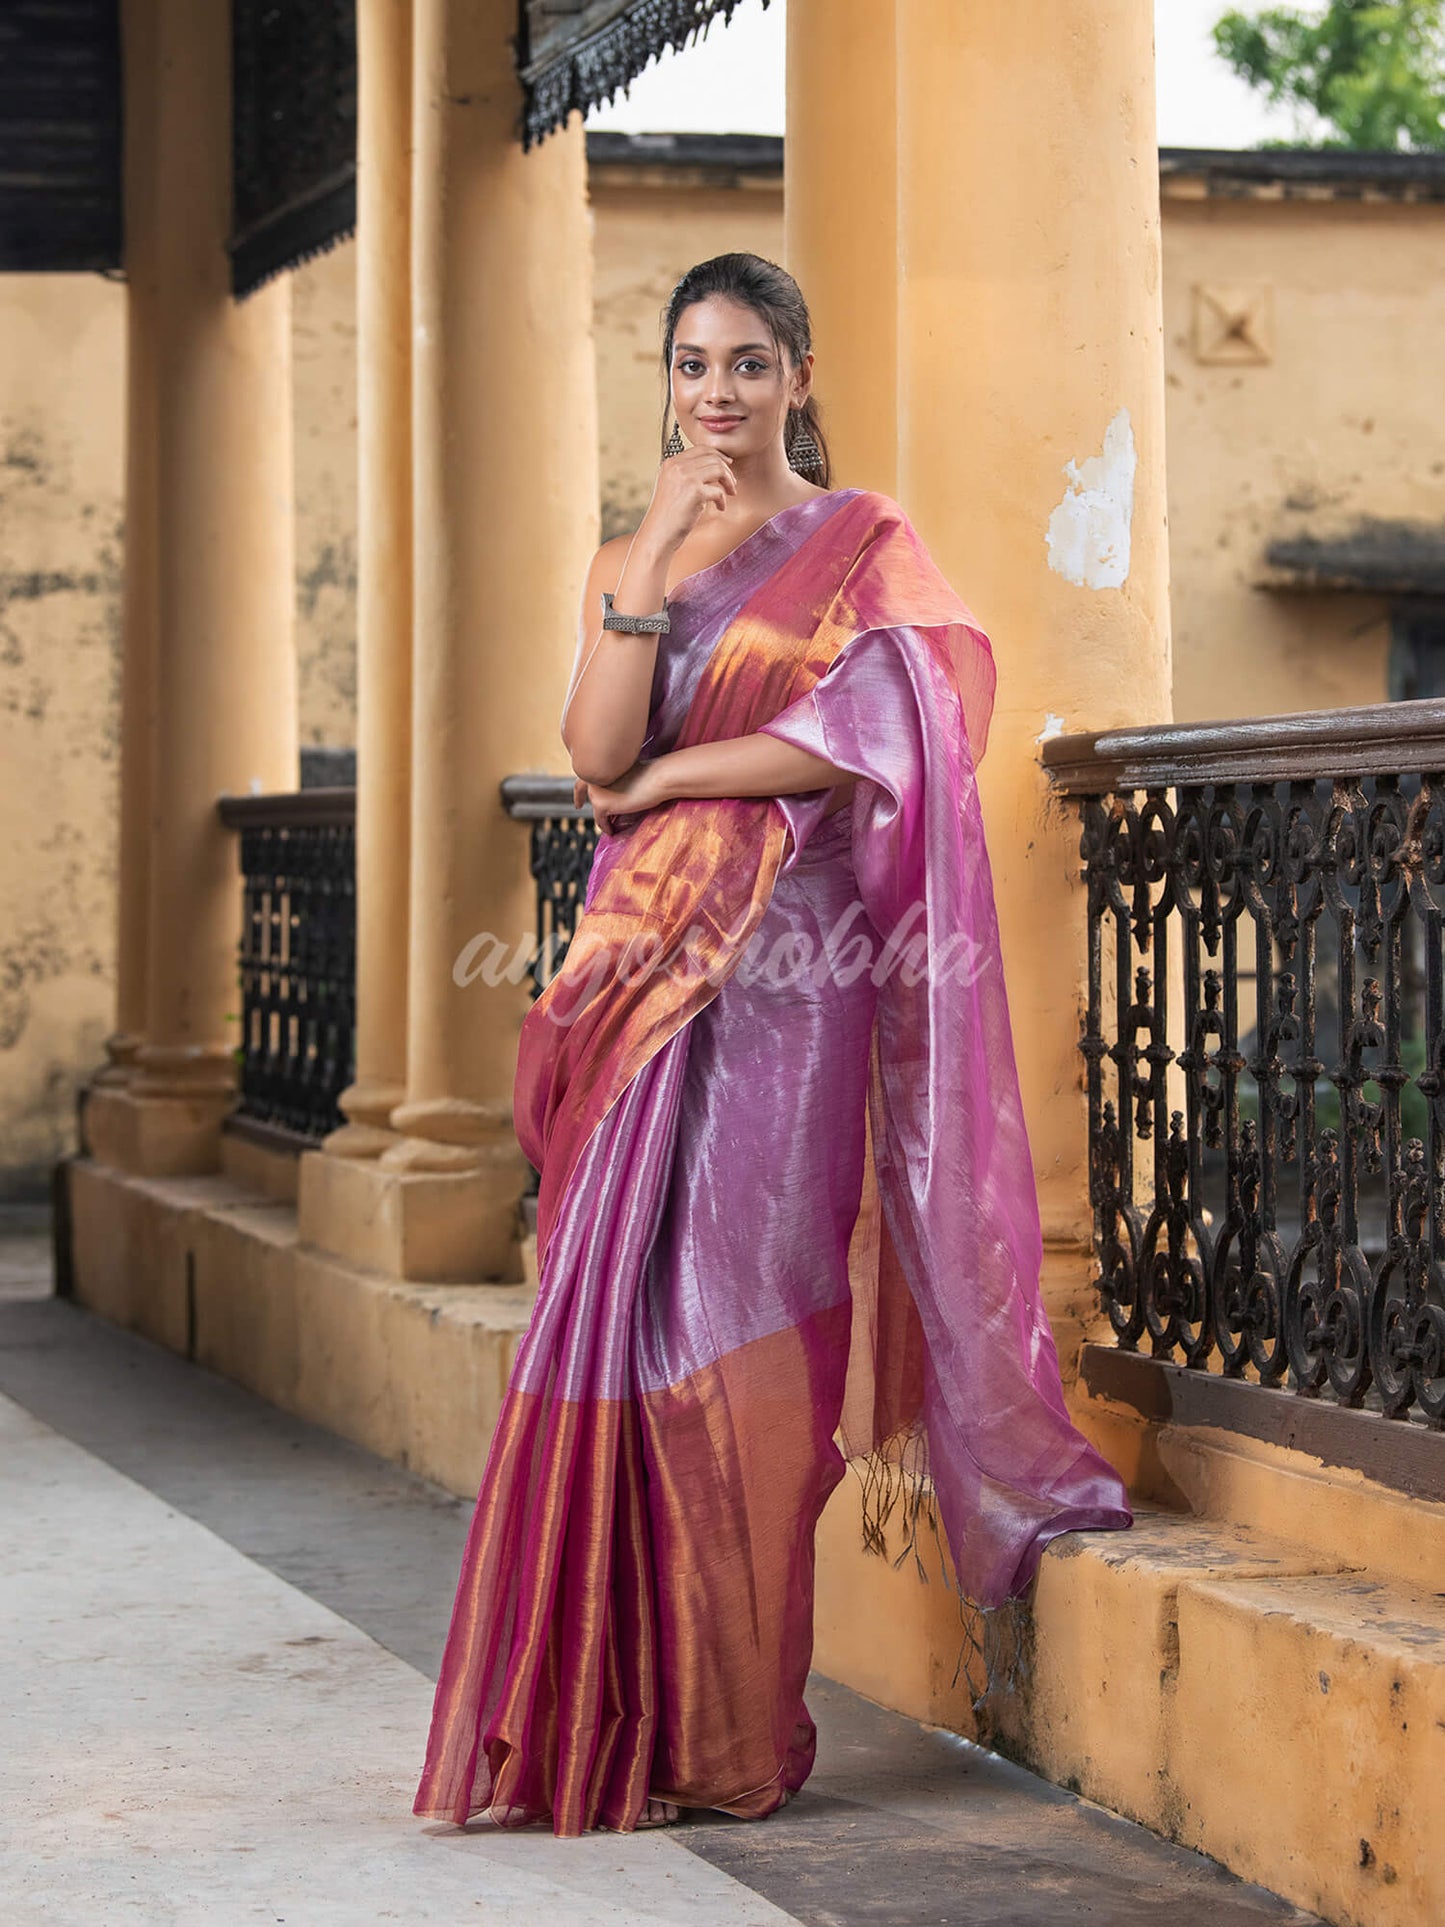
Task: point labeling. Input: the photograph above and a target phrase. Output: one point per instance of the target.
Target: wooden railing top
(288, 809)
(530, 798)
(1379, 739)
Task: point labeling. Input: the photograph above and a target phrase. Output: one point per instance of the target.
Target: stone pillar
(504, 479)
(505, 462)
(224, 699)
(138, 604)
(384, 585)
(840, 209)
(1031, 457)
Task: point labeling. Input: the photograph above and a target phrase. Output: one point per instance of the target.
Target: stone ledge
(1403, 1454)
(1292, 1468)
(413, 1371)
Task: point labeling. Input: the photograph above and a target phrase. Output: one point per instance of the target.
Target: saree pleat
(786, 1207)
(553, 1711)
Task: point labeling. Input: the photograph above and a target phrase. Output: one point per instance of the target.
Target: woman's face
(731, 384)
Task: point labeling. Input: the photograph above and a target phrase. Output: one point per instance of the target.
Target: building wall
(1342, 420)
(1342, 417)
(323, 348)
(61, 465)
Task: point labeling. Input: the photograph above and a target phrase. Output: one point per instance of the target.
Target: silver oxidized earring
(803, 452)
(674, 445)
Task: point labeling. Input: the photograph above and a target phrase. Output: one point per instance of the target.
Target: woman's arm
(756, 765)
(604, 718)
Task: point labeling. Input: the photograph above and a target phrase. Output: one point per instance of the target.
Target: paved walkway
(219, 1627)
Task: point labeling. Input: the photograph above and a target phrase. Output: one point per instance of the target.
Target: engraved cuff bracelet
(634, 625)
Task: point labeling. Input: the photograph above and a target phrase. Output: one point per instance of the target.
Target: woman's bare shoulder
(606, 565)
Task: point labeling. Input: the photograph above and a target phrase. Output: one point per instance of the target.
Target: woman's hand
(690, 485)
(641, 788)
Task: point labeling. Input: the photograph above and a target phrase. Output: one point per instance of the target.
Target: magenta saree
(787, 1214)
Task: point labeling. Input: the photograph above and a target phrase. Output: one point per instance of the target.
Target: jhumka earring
(674, 445)
(803, 452)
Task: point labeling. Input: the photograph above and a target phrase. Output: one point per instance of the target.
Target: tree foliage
(1372, 70)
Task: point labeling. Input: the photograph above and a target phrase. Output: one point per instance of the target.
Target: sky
(731, 81)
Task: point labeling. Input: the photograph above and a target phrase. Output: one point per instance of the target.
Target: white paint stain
(1088, 535)
(1053, 726)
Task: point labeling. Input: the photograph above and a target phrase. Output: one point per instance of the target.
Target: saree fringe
(995, 1653)
(894, 1478)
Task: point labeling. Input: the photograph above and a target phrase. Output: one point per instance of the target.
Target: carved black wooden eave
(60, 203)
(294, 134)
(578, 53)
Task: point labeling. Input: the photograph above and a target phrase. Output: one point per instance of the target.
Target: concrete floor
(220, 1628)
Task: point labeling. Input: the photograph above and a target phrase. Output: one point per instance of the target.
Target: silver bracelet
(657, 625)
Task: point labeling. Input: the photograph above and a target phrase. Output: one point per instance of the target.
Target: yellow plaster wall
(323, 351)
(1343, 420)
(61, 466)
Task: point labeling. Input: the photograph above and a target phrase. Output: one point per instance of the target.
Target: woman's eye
(688, 367)
(749, 362)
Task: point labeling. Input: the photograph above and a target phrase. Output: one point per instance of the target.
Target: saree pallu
(786, 1214)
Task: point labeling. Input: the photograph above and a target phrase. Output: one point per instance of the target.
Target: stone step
(1315, 1756)
(1267, 1703)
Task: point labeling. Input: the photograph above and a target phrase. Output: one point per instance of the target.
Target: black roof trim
(739, 153)
(1344, 171)
(1225, 170)
(60, 136)
(1377, 556)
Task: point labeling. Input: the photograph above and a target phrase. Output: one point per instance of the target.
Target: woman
(786, 1191)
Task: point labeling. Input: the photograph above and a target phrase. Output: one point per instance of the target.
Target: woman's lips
(719, 424)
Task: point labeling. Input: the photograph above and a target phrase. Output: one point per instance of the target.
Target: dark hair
(775, 297)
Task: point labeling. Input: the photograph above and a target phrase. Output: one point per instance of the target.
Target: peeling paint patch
(1088, 535)
(1053, 726)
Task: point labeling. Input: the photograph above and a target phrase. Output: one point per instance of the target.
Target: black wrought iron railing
(1265, 1046)
(563, 839)
(297, 958)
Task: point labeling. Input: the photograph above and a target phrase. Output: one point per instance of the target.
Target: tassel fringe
(995, 1654)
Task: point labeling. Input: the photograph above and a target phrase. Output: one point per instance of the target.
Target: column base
(156, 1137)
(427, 1226)
(1066, 1283)
(358, 1141)
(367, 1106)
(122, 1048)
